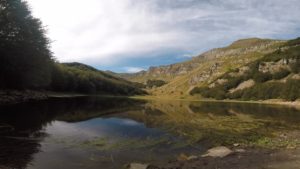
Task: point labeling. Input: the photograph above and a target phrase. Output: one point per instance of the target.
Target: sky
(131, 35)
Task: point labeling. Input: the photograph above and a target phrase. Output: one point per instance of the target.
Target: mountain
(78, 77)
(181, 78)
(274, 76)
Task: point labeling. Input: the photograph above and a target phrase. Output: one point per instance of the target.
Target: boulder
(192, 158)
(137, 166)
(220, 151)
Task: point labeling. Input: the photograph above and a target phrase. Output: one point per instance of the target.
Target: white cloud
(133, 69)
(108, 32)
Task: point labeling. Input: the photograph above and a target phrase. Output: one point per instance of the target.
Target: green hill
(77, 77)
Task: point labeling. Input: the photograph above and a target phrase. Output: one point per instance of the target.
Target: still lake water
(95, 132)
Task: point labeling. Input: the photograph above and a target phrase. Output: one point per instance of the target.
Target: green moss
(106, 144)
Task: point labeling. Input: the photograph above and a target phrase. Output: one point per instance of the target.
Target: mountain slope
(274, 76)
(77, 77)
(205, 68)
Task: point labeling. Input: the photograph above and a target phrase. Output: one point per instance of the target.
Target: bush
(275, 90)
(280, 74)
(295, 67)
(233, 82)
(217, 92)
(155, 83)
(262, 77)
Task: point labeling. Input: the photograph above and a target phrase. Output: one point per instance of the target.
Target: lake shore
(16, 96)
(248, 159)
(295, 104)
(20, 96)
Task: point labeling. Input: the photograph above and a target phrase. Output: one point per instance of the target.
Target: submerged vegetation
(214, 124)
(95, 126)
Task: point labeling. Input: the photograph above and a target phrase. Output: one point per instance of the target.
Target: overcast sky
(131, 35)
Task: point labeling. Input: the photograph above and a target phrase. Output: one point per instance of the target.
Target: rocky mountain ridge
(169, 72)
(247, 69)
(276, 75)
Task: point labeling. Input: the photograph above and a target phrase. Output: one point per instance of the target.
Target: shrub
(280, 74)
(155, 83)
(295, 67)
(261, 77)
(217, 92)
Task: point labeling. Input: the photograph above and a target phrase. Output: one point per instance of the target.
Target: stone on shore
(220, 151)
(137, 166)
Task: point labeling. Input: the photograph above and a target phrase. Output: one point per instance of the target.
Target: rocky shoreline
(235, 158)
(18, 96)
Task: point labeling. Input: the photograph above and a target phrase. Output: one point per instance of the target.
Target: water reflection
(88, 132)
(22, 126)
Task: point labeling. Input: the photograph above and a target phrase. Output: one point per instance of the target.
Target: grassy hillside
(274, 76)
(248, 69)
(77, 77)
(181, 78)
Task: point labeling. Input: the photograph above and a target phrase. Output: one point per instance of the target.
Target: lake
(98, 132)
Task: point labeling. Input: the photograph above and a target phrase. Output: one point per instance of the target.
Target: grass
(278, 102)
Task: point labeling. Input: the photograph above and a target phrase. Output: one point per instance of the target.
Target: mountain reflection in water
(89, 132)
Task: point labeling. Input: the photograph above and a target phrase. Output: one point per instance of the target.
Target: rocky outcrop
(244, 85)
(273, 67)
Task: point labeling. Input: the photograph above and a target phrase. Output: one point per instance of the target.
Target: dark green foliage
(275, 90)
(280, 74)
(262, 77)
(76, 77)
(295, 67)
(155, 83)
(294, 42)
(80, 66)
(217, 92)
(233, 82)
(25, 58)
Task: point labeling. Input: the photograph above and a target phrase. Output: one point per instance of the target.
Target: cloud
(111, 32)
(133, 69)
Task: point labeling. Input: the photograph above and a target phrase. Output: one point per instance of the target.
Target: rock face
(243, 85)
(273, 67)
(218, 152)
